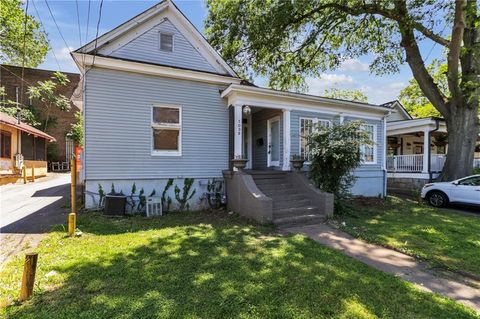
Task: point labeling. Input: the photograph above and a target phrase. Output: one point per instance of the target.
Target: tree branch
(429, 34)
(453, 57)
(415, 61)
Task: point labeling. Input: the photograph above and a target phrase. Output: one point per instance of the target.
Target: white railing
(405, 163)
(414, 163)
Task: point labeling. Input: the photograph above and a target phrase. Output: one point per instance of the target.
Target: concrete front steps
(291, 206)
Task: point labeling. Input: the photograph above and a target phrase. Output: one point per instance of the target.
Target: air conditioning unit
(154, 206)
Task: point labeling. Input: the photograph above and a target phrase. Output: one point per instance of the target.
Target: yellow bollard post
(24, 169)
(33, 174)
(73, 184)
(72, 221)
(28, 279)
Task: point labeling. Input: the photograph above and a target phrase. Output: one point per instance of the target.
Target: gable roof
(116, 37)
(8, 120)
(401, 109)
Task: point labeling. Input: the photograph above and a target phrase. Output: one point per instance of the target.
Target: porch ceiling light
(247, 110)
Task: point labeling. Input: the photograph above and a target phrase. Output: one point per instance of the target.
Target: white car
(464, 190)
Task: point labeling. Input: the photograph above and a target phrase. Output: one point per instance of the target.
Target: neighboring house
(416, 148)
(32, 144)
(161, 103)
(11, 79)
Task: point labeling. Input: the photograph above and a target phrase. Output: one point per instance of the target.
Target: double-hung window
(368, 152)
(166, 130)
(307, 127)
(5, 144)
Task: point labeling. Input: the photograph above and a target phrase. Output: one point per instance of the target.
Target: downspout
(437, 126)
(384, 162)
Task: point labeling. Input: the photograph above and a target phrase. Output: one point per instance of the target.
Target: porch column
(237, 131)
(286, 140)
(426, 150)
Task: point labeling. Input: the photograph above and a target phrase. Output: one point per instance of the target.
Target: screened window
(166, 130)
(166, 42)
(5, 144)
(369, 151)
(307, 126)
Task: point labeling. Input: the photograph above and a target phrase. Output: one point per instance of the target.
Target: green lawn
(207, 265)
(446, 238)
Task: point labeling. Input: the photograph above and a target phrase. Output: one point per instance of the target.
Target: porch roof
(415, 126)
(238, 94)
(8, 120)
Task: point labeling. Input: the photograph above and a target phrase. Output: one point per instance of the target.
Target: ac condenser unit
(154, 206)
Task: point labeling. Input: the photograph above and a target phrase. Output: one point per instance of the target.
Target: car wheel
(437, 199)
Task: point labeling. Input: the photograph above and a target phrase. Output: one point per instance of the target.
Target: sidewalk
(391, 261)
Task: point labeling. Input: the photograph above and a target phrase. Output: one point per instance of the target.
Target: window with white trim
(166, 42)
(307, 127)
(369, 152)
(166, 130)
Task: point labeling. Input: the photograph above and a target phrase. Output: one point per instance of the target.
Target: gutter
(437, 126)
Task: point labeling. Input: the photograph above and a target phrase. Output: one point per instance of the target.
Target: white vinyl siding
(307, 127)
(164, 126)
(369, 151)
(147, 48)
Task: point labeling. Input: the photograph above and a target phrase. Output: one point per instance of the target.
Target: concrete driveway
(28, 211)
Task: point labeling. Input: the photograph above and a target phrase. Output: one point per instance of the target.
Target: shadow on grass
(216, 266)
(444, 237)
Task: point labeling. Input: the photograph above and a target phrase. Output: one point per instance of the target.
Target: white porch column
(426, 150)
(237, 131)
(286, 140)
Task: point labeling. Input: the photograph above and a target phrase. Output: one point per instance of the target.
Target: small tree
(46, 92)
(335, 153)
(76, 131)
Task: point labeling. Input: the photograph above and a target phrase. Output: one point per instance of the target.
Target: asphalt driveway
(29, 211)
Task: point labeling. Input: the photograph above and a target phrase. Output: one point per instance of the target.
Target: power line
(78, 22)
(14, 74)
(88, 25)
(46, 35)
(96, 35)
(55, 21)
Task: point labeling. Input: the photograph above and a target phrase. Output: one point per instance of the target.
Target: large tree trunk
(463, 132)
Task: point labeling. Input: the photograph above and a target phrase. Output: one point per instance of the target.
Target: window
(166, 42)
(307, 126)
(472, 181)
(5, 144)
(369, 151)
(166, 130)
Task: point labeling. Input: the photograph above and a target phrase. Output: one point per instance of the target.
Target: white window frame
(374, 146)
(170, 126)
(160, 41)
(315, 121)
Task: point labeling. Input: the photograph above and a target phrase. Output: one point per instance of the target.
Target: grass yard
(206, 265)
(446, 238)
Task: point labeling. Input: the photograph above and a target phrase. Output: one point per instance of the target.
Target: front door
(273, 146)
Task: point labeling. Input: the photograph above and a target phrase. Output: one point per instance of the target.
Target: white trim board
(267, 98)
(144, 68)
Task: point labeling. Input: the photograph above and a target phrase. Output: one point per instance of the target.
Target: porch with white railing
(414, 163)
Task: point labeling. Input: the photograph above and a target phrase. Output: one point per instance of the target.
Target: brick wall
(32, 76)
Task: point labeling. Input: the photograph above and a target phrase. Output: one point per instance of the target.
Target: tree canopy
(346, 94)
(12, 27)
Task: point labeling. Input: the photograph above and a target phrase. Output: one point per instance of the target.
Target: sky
(353, 74)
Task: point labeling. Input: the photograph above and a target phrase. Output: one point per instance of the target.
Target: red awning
(8, 120)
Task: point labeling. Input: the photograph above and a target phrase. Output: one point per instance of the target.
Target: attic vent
(166, 42)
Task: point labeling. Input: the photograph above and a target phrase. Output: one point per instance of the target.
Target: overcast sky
(354, 74)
